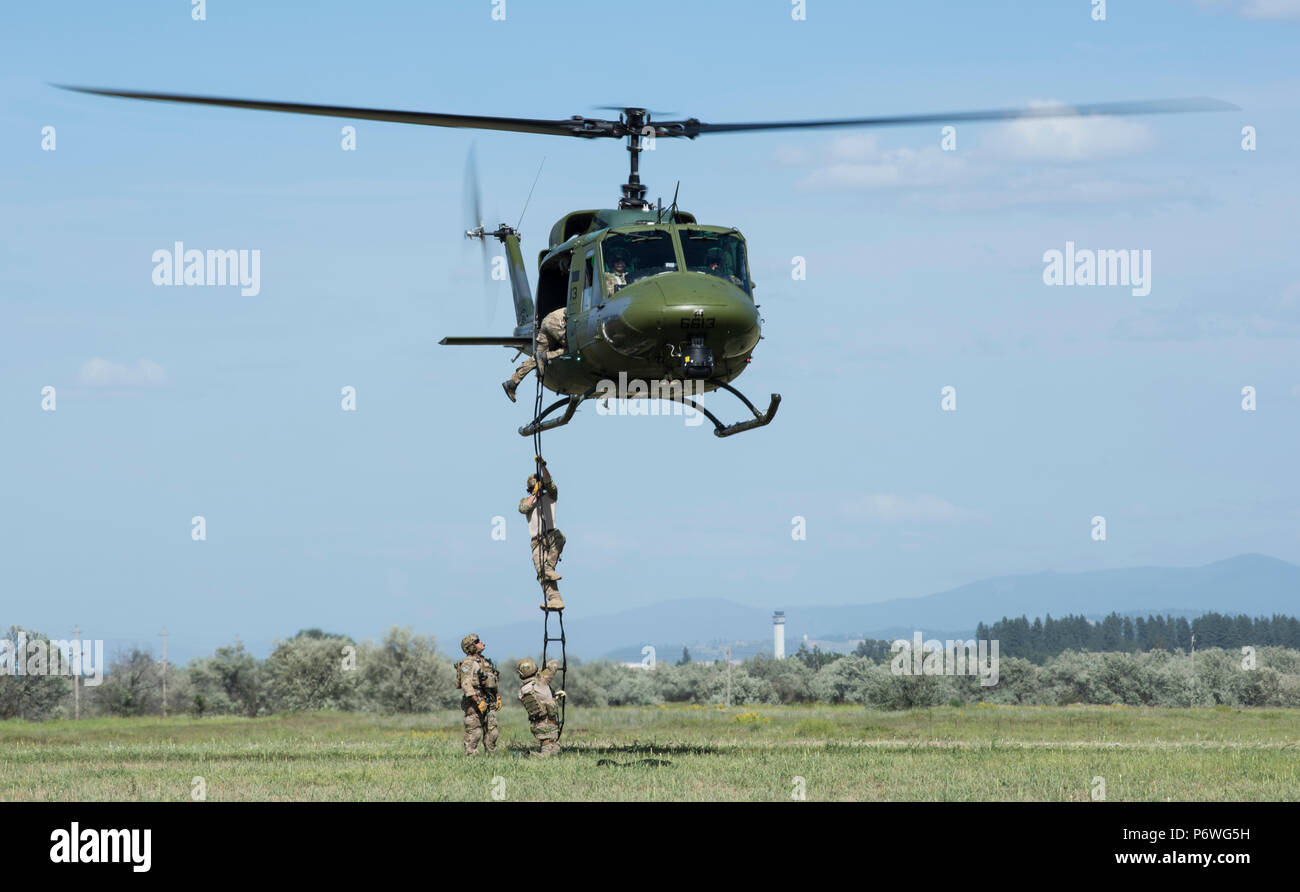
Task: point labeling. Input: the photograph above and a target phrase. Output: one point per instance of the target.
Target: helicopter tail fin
(520, 291)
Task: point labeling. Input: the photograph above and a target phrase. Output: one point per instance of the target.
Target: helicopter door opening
(552, 287)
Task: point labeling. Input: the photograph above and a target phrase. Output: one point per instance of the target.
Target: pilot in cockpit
(714, 266)
(616, 271)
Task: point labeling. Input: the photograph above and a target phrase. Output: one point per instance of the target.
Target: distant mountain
(1252, 584)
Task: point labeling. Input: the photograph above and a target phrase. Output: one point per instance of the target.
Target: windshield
(636, 255)
(716, 254)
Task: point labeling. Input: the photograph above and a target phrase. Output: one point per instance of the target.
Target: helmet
(526, 668)
(532, 483)
(616, 254)
(713, 256)
(468, 643)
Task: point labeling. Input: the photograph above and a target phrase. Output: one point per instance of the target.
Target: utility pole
(728, 675)
(164, 671)
(76, 673)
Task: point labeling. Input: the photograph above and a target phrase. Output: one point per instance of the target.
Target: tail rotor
(477, 230)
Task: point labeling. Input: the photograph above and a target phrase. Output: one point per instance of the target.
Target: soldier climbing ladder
(544, 542)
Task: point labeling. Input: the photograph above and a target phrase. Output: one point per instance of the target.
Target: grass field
(709, 754)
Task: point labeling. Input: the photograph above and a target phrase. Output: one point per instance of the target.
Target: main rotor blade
(589, 128)
(692, 128)
(570, 127)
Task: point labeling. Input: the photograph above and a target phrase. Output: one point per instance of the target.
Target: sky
(924, 270)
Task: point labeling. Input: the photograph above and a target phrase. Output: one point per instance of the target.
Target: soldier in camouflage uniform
(551, 342)
(477, 679)
(547, 541)
(543, 706)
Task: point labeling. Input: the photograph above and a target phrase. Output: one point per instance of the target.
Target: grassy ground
(971, 753)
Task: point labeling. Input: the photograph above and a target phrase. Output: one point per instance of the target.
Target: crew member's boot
(510, 387)
(551, 576)
(551, 592)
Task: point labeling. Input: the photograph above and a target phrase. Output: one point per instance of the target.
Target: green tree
(789, 680)
(309, 672)
(878, 650)
(33, 695)
(231, 681)
(132, 686)
(405, 673)
(816, 658)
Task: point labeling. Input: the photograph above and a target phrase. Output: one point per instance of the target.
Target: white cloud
(891, 508)
(103, 373)
(1245, 314)
(1075, 138)
(988, 170)
(1284, 10)
(854, 147)
(858, 162)
(1263, 10)
(793, 156)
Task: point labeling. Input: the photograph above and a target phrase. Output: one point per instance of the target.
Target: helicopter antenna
(530, 193)
(672, 211)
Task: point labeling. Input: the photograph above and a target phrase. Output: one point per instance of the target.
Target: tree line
(406, 673)
(1045, 638)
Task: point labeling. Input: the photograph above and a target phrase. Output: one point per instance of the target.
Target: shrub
(306, 672)
(230, 682)
(132, 686)
(36, 696)
(406, 674)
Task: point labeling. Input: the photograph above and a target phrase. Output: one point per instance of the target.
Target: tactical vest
(539, 710)
(528, 695)
(486, 674)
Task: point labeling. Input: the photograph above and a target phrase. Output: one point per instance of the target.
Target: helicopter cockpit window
(716, 254)
(636, 255)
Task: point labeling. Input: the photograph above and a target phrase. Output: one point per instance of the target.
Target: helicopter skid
(760, 419)
(537, 425)
(571, 403)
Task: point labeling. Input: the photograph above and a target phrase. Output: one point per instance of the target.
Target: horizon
(263, 647)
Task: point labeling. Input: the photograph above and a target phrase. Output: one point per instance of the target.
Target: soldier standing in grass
(543, 706)
(477, 679)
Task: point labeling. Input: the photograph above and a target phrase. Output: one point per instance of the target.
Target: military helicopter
(684, 309)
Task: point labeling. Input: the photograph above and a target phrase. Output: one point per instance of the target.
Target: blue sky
(924, 271)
